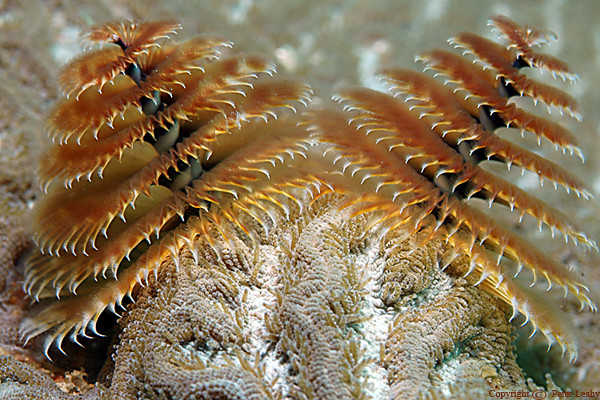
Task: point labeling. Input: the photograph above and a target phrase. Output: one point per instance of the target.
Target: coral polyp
(302, 250)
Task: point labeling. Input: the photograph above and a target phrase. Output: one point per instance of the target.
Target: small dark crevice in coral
(536, 360)
(94, 352)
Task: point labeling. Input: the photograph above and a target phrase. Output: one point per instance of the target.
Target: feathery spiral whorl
(143, 123)
(422, 148)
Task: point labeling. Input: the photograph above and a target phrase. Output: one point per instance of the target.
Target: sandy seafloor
(326, 43)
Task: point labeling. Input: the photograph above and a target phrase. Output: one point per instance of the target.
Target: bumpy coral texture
(14, 241)
(440, 320)
(336, 252)
(20, 381)
(296, 321)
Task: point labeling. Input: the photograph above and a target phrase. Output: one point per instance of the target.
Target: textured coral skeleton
(169, 155)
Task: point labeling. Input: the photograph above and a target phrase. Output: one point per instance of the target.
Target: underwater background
(325, 43)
